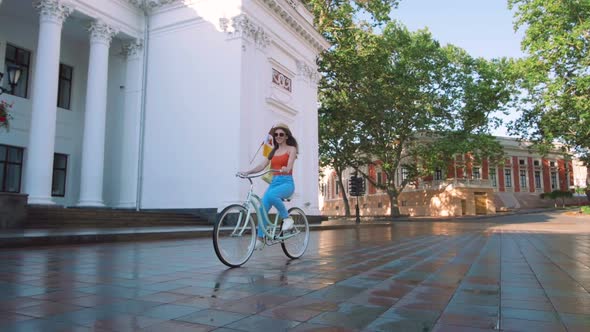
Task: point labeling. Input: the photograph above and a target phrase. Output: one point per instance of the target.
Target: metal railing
(461, 183)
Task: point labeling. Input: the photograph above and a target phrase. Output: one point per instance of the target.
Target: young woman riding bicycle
(282, 158)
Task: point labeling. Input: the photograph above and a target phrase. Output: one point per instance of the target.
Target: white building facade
(155, 104)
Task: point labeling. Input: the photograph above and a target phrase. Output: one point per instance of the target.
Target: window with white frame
(60, 168)
(508, 177)
(438, 174)
(538, 179)
(493, 177)
(18, 57)
(476, 173)
(405, 173)
(64, 88)
(11, 165)
(553, 180)
(379, 178)
(523, 178)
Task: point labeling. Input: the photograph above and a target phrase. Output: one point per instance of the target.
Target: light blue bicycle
(234, 234)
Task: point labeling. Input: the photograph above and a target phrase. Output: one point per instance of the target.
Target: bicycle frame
(253, 203)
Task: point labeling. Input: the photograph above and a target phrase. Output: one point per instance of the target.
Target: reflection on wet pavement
(530, 275)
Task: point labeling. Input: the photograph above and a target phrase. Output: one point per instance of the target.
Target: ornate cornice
(132, 48)
(151, 4)
(292, 3)
(53, 9)
(102, 32)
(306, 71)
(302, 28)
(245, 28)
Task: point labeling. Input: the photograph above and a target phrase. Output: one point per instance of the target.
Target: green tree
(554, 76)
(398, 97)
(336, 148)
(557, 194)
(418, 104)
(335, 18)
(338, 22)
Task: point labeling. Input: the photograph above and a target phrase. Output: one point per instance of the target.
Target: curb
(46, 237)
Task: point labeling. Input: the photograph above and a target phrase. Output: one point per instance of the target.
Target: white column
(95, 115)
(131, 122)
(39, 163)
(314, 208)
(307, 123)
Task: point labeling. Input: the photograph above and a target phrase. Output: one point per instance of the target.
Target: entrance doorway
(481, 203)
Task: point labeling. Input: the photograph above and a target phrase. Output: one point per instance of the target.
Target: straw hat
(281, 125)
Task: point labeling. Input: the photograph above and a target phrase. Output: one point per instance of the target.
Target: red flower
(2, 119)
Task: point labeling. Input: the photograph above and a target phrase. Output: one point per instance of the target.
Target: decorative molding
(314, 39)
(306, 71)
(281, 106)
(151, 4)
(132, 48)
(245, 28)
(292, 3)
(102, 32)
(137, 3)
(282, 80)
(54, 9)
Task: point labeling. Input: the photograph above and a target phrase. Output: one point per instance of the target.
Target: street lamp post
(14, 73)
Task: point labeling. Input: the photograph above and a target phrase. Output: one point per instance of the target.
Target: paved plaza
(513, 273)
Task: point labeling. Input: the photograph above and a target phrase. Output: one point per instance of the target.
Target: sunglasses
(280, 134)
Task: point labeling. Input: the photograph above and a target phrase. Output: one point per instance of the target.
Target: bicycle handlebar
(252, 176)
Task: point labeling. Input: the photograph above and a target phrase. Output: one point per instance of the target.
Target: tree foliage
(338, 22)
(399, 100)
(335, 19)
(555, 195)
(418, 104)
(555, 74)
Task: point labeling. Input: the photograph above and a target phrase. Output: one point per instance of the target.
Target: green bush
(557, 194)
(585, 209)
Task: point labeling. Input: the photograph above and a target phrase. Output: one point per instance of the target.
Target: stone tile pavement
(512, 273)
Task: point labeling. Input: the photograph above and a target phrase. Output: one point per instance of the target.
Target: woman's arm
(291, 162)
(258, 168)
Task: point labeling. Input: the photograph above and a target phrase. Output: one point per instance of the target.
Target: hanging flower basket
(5, 116)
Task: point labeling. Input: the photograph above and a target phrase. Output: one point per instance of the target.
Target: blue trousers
(282, 186)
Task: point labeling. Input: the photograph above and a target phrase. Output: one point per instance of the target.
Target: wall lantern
(14, 73)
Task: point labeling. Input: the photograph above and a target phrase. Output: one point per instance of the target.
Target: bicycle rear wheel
(295, 246)
(234, 235)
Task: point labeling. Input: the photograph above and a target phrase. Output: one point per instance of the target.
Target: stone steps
(58, 217)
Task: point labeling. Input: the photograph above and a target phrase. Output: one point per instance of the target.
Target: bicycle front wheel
(234, 235)
(295, 246)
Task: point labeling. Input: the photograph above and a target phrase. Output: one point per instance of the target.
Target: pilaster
(133, 52)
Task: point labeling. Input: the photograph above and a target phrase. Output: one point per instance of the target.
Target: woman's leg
(280, 187)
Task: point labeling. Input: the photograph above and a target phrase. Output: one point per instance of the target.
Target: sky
(484, 28)
(481, 27)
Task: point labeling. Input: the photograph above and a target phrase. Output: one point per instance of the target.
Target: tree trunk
(393, 204)
(344, 196)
